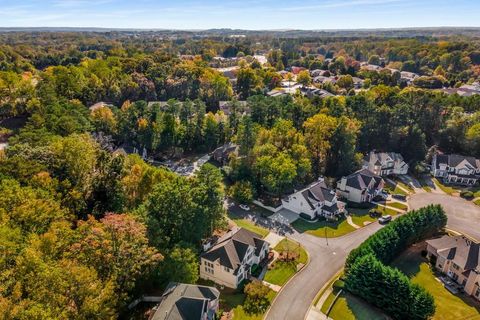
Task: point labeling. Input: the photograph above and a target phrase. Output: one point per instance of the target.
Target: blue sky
(245, 14)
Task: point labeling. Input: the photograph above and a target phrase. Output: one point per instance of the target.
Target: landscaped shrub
(391, 240)
(466, 194)
(257, 300)
(367, 276)
(389, 289)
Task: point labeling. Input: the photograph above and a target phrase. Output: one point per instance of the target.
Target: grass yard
(240, 314)
(321, 228)
(249, 225)
(360, 216)
(449, 306)
(397, 205)
(395, 189)
(349, 307)
(283, 270)
(447, 189)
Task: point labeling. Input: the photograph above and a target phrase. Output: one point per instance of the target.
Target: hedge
(368, 276)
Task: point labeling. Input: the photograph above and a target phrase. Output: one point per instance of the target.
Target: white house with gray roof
(361, 186)
(229, 260)
(316, 200)
(187, 302)
(459, 258)
(385, 163)
(456, 169)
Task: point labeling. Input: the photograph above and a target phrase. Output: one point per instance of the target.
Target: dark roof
(453, 160)
(232, 247)
(362, 178)
(381, 158)
(461, 250)
(184, 302)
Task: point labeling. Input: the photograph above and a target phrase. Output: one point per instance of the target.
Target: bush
(257, 300)
(389, 289)
(466, 194)
(386, 287)
(374, 213)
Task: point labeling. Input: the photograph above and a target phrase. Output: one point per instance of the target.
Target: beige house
(459, 258)
(361, 186)
(229, 260)
(385, 163)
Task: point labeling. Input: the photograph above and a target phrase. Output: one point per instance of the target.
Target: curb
(322, 290)
(462, 233)
(286, 283)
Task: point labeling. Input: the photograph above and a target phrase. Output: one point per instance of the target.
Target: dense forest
(85, 230)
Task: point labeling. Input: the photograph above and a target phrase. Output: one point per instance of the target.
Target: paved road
(463, 215)
(325, 260)
(294, 300)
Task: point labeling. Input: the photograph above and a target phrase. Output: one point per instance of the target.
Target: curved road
(295, 299)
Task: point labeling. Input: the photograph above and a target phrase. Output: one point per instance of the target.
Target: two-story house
(316, 200)
(456, 169)
(229, 260)
(361, 186)
(385, 163)
(459, 258)
(186, 302)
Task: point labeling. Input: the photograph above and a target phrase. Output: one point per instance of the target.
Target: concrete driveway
(284, 216)
(463, 215)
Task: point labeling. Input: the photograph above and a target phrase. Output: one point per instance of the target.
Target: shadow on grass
(362, 310)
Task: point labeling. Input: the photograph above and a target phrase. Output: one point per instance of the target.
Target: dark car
(400, 197)
(385, 219)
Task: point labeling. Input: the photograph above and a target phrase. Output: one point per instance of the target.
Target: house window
(226, 269)
(456, 267)
(208, 270)
(477, 293)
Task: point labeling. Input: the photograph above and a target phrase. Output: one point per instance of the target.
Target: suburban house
(313, 91)
(187, 302)
(361, 186)
(99, 105)
(229, 260)
(456, 169)
(316, 200)
(458, 258)
(222, 153)
(228, 106)
(385, 163)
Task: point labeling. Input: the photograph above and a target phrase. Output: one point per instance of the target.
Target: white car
(244, 207)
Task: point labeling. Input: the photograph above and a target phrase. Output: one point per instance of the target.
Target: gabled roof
(362, 178)
(453, 160)
(461, 250)
(231, 249)
(381, 158)
(184, 302)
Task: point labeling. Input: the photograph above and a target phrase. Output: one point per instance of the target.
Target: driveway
(463, 215)
(294, 301)
(284, 216)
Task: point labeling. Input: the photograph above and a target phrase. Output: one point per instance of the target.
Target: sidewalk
(350, 222)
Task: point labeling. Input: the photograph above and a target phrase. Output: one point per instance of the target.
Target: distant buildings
(228, 262)
(361, 186)
(458, 258)
(187, 302)
(99, 105)
(456, 169)
(385, 163)
(222, 153)
(316, 200)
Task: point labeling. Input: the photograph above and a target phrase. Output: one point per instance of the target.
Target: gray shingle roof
(362, 178)
(184, 302)
(232, 247)
(462, 251)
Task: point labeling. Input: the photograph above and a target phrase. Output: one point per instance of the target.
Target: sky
(245, 14)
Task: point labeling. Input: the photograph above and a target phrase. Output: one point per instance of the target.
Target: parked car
(400, 197)
(385, 219)
(244, 207)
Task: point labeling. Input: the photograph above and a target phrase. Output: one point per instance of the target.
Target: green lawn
(360, 216)
(282, 271)
(321, 228)
(394, 189)
(349, 307)
(249, 225)
(397, 205)
(240, 314)
(449, 306)
(447, 189)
